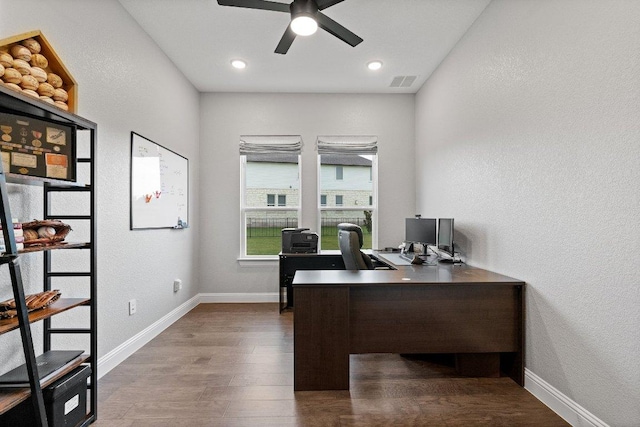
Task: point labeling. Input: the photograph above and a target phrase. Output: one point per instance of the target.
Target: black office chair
(350, 240)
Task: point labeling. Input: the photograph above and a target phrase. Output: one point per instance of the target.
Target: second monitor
(445, 235)
(420, 230)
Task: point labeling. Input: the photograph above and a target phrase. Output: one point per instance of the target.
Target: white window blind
(346, 144)
(262, 144)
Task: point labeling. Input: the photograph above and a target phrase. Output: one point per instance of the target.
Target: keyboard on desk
(407, 256)
(396, 258)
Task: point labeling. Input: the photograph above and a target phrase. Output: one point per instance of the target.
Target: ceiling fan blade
(285, 41)
(257, 4)
(337, 30)
(323, 4)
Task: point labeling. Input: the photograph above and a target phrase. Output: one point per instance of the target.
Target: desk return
(290, 263)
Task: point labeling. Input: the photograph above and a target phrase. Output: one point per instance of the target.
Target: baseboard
(116, 356)
(239, 298)
(572, 413)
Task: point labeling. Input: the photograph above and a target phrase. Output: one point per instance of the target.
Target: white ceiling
(411, 37)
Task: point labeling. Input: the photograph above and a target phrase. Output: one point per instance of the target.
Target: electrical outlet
(132, 307)
(177, 285)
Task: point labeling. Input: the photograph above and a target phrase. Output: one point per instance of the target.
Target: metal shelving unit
(15, 103)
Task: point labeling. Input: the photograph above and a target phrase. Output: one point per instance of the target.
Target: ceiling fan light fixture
(306, 17)
(374, 65)
(304, 25)
(303, 17)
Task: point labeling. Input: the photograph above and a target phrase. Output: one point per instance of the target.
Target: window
(270, 170)
(352, 190)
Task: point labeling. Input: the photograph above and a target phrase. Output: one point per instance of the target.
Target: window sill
(258, 261)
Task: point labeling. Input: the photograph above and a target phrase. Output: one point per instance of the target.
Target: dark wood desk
(473, 313)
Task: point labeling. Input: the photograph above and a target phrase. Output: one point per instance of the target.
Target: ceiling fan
(305, 19)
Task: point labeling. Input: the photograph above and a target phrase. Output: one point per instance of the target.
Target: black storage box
(65, 402)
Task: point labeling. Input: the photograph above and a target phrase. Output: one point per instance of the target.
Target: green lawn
(268, 241)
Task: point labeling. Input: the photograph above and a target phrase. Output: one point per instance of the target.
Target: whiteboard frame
(131, 186)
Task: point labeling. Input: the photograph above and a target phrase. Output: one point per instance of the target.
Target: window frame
(244, 209)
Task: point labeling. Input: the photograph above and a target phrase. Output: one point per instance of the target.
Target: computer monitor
(420, 230)
(445, 235)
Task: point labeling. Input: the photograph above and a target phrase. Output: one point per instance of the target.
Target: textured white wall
(125, 83)
(529, 135)
(224, 117)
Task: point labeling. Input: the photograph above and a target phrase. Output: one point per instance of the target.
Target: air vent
(403, 81)
(397, 81)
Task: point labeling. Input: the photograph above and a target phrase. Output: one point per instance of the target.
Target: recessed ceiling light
(374, 65)
(239, 64)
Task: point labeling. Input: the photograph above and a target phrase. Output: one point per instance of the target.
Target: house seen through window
(347, 195)
(270, 199)
(271, 193)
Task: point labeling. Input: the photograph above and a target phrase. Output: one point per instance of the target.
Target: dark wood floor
(232, 365)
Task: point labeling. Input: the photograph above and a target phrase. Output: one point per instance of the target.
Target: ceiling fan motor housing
(303, 8)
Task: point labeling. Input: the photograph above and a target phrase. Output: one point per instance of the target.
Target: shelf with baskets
(63, 304)
(18, 104)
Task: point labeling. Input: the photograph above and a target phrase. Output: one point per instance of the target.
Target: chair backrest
(350, 241)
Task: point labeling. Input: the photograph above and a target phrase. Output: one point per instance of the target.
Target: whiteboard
(159, 186)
